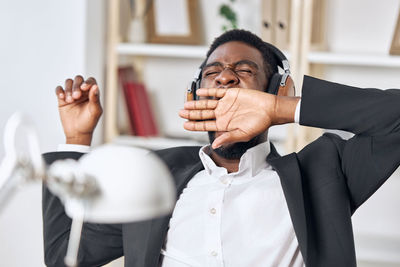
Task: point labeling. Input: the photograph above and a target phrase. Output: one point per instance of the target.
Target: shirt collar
(251, 162)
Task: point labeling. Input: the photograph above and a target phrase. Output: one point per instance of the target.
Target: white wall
(42, 43)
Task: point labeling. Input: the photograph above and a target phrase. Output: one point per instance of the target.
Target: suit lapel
(159, 227)
(288, 170)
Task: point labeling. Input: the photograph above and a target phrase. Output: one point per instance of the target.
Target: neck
(231, 165)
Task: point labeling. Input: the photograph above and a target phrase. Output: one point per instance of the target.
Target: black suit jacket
(323, 184)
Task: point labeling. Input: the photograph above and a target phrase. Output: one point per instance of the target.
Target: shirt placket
(213, 226)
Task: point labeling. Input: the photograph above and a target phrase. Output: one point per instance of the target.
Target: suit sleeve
(100, 243)
(373, 154)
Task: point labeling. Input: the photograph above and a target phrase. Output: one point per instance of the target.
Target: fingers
(213, 92)
(76, 91)
(60, 95)
(68, 90)
(197, 114)
(204, 126)
(88, 84)
(233, 136)
(201, 104)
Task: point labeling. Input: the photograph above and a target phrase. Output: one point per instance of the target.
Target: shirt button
(214, 253)
(213, 211)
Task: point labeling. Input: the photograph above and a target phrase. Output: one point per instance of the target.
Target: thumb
(233, 136)
(94, 101)
(94, 94)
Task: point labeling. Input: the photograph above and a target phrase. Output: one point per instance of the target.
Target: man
(239, 202)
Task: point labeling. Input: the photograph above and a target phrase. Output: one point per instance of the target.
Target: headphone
(279, 84)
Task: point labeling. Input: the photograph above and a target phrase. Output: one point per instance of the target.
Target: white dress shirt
(232, 219)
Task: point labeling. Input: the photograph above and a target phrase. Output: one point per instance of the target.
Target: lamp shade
(132, 184)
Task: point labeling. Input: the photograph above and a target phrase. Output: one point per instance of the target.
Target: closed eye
(210, 73)
(244, 71)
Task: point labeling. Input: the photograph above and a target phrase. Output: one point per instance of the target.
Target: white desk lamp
(111, 184)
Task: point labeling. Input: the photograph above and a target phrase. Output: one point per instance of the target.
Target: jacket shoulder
(326, 145)
(51, 157)
(179, 155)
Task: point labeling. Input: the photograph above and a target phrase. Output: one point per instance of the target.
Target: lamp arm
(75, 235)
(18, 167)
(20, 121)
(8, 180)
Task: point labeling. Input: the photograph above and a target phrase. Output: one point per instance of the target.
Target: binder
(268, 21)
(282, 24)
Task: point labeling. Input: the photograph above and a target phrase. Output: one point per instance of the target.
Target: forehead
(235, 51)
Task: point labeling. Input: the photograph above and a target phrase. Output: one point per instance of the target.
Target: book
(139, 109)
(125, 74)
(138, 104)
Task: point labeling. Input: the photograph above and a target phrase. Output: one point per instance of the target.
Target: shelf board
(354, 59)
(317, 57)
(163, 50)
(154, 143)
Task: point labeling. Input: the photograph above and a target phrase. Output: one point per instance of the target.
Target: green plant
(229, 15)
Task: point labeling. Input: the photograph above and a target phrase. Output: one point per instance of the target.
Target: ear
(288, 89)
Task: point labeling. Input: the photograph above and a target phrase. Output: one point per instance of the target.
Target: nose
(226, 78)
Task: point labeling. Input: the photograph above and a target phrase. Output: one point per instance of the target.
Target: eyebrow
(240, 62)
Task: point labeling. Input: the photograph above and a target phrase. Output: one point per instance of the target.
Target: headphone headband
(275, 82)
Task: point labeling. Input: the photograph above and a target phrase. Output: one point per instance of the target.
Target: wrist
(82, 139)
(285, 108)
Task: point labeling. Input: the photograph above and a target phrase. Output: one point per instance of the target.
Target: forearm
(83, 139)
(285, 109)
(56, 227)
(361, 111)
(56, 223)
(99, 244)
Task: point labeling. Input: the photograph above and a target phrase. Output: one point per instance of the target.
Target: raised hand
(240, 114)
(79, 108)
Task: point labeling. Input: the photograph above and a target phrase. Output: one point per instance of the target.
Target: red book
(127, 74)
(137, 101)
(139, 109)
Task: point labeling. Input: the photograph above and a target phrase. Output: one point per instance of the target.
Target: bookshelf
(118, 51)
(161, 50)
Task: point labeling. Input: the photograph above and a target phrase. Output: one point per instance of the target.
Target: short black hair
(249, 38)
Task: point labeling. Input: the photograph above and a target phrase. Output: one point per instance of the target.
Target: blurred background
(159, 47)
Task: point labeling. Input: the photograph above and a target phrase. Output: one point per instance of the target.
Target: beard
(235, 150)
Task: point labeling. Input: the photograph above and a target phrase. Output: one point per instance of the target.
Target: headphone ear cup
(273, 85)
(288, 89)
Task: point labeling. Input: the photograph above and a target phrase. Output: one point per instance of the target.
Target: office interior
(43, 42)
